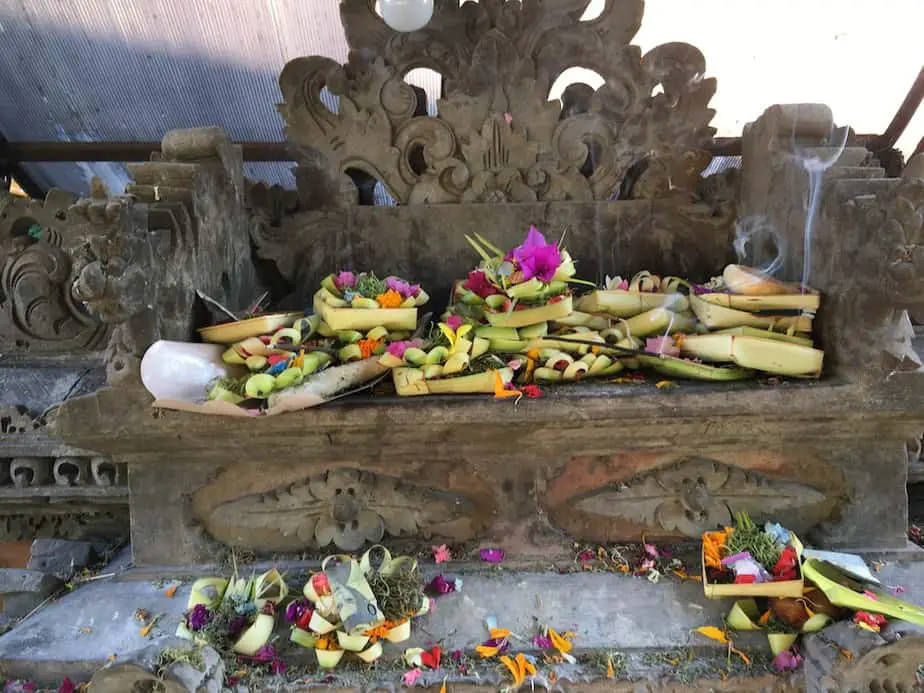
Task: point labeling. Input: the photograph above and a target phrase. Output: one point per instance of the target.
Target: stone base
(648, 627)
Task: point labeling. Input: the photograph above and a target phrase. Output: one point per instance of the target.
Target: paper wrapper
(178, 376)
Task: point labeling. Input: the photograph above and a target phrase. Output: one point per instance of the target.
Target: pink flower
(662, 345)
(543, 642)
(345, 280)
(441, 554)
(454, 322)
(651, 550)
(508, 118)
(788, 660)
(897, 590)
(479, 285)
(536, 258)
(586, 555)
(410, 677)
(397, 349)
(492, 555)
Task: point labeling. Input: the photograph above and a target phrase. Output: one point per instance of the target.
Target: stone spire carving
(497, 138)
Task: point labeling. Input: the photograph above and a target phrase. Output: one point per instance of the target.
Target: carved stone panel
(38, 312)
(498, 137)
(694, 495)
(343, 507)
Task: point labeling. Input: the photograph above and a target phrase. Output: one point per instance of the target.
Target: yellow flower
(454, 335)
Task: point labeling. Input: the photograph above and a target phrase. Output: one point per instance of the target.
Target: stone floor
(648, 629)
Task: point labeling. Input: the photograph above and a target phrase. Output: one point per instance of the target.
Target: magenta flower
(662, 345)
(279, 667)
(397, 349)
(454, 322)
(492, 555)
(536, 258)
(788, 660)
(345, 280)
(479, 285)
(67, 687)
(265, 655)
(199, 617)
(237, 626)
(440, 585)
(543, 642)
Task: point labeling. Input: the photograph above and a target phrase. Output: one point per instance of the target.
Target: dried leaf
(146, 630)
(713, 633)
(663, 384)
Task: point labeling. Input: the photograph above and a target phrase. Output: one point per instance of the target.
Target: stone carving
(181, 227)
(67, 471)
(16, 420)
(344, 507)
(696, 495)
(78, 525)
(498, 138)
(38, 313)
(883, 278)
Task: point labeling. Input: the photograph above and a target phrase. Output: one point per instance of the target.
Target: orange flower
(390, 299)
(325, 642)
(561, 642)
(368, 346)
(381, 631)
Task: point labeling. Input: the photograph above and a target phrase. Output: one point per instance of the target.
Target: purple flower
(406, 289)
(454, 322)
(699, 290)
(440, 585)
(788, 660)
(199, 617)
(279, 667)
(536, 258)
(492, 555)
(543, 642)
(345, 280)
(295, 610)
(265, 655)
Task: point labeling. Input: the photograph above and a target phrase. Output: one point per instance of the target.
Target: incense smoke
(753, 234)
(816, 167)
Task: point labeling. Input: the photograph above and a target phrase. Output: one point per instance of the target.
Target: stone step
(647, 629)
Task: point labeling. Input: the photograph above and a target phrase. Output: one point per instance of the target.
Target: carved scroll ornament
(38, 312)
(498, 138)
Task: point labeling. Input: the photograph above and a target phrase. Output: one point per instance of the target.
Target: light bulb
(406, 15)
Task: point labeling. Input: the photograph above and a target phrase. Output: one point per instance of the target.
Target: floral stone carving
(696, 495)
(344, 507)
(498, 138)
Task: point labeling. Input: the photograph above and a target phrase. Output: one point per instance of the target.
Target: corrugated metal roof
(126, 70)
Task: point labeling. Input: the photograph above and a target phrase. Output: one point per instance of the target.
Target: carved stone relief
(498, 138)
(77, 524)
(344, 507)
(38, 312)
(181, 227)
(695, 495)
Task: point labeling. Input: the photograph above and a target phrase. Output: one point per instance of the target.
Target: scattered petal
(665, 384)
(410, 677)
(67, 687)
(171, 591)
(787, 660)
(492, 555)
(713, 633)
(441, 554)
(454, 322)
(897, 589)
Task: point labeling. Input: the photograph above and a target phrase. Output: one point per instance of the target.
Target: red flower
(531, 391)
(479, 285)
(431, 659)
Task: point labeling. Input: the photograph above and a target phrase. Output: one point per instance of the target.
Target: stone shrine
(89, 284)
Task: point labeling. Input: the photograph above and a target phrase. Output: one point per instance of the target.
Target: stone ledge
(570, 420)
